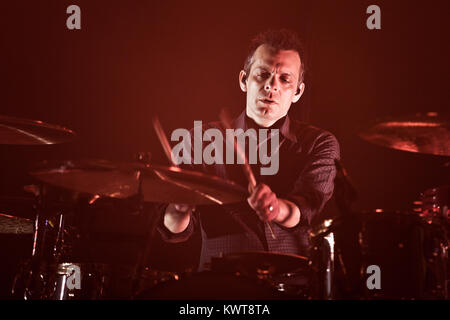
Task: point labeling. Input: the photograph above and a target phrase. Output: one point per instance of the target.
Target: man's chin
(265, 112)
(263, 116)
(266, 119)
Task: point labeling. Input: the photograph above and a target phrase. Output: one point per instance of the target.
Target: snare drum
(214, 286)
(241, 276)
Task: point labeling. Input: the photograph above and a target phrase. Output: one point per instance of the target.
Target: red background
(180, 60)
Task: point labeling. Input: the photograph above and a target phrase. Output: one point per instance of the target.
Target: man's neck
(251, 123)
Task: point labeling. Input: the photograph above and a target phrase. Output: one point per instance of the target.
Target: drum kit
(414, 245)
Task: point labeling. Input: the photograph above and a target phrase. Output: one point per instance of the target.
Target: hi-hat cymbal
(422, 133)
(159, 183)
(16, 131)
(15, 225)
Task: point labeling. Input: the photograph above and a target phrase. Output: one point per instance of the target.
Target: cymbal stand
(140, 263)
(39, 282)
(323, 257)
(35, 284)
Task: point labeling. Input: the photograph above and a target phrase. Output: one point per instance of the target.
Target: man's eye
(263, 75)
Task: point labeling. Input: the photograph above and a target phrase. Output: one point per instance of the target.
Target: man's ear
(298, 94)
(243, 80)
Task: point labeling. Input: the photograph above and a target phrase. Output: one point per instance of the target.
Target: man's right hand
(177, 217)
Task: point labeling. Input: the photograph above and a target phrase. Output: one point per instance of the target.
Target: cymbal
(421, 133)
(159, 183)
(16, 131)
(15, 225)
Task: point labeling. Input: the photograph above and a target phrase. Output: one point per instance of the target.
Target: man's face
(271, 85)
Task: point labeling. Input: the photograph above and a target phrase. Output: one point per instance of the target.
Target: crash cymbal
(422, 133)
(189, 187)
(16, 131)
(159, 183)
(15, 225)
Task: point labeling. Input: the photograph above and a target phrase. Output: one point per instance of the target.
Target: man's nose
(271, 84)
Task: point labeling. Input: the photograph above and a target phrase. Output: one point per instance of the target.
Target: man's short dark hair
(282, 39)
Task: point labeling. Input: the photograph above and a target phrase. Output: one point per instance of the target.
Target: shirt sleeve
(315, 185)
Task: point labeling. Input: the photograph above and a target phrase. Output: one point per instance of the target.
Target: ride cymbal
(422, 133)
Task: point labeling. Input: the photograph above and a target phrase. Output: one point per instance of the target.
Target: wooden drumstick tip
(269, 225)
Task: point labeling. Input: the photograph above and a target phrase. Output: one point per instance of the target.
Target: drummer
(272, 79)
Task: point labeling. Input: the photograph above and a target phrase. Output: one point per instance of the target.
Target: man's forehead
(266, 56)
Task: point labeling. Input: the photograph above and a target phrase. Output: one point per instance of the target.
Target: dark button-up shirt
(305, 177)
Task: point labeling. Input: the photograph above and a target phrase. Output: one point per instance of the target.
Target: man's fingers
(264, 201)
(258, 191)
(267, 207)
(271, 211)
(255, 196)
(260, 197)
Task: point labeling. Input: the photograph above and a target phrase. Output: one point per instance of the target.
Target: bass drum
(214, 286)
(409, 252)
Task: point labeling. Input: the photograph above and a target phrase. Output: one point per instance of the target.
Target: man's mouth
(267, 101)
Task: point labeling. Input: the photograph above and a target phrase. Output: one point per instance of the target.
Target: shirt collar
(285, 126)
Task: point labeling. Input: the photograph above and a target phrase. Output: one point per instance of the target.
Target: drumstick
(225, 119)
(163, 139)
(168, 151)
